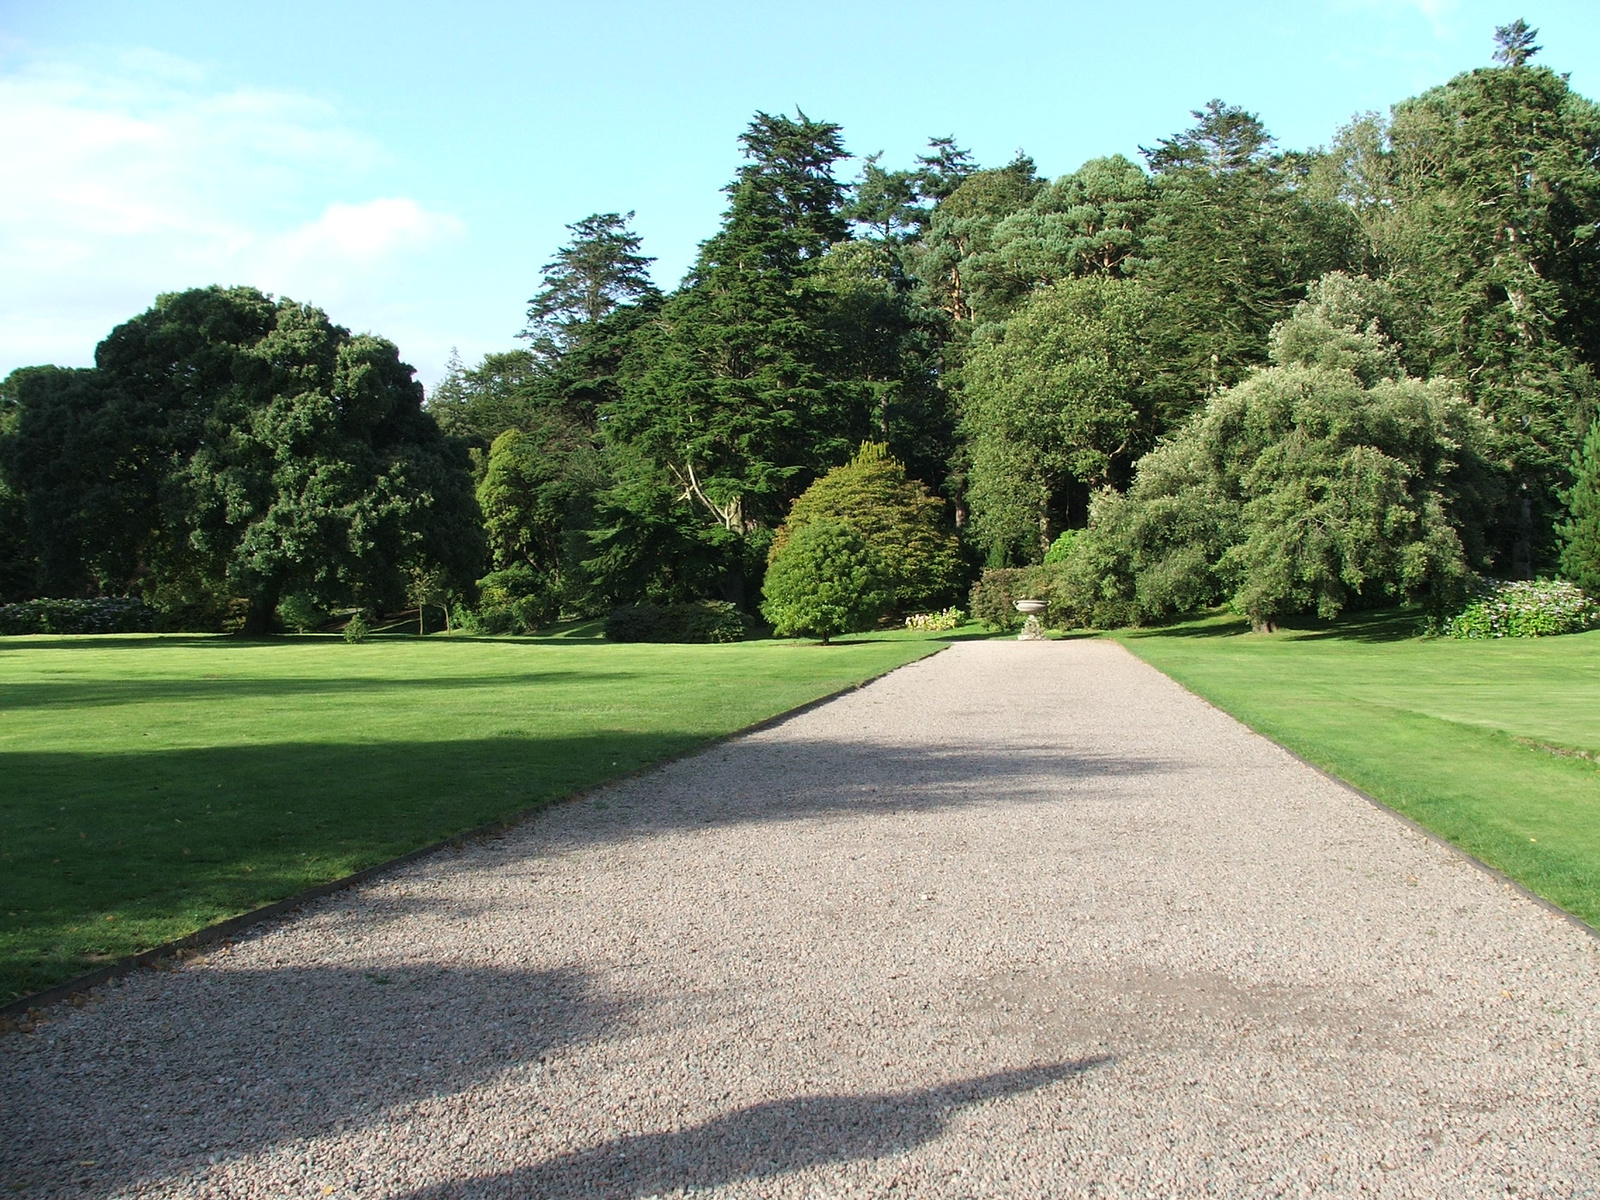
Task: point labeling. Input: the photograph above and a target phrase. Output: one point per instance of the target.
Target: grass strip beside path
(1490, 744)
(150, 786)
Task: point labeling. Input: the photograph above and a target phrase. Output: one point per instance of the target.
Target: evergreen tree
(961, 229)
(735, 402)
(1091, 222)
(1235, 239)
(506, 390)
(1514, 43)
(1580, 533)
(1494, 197)
(825, 581)
(898, 518)
(598, 270)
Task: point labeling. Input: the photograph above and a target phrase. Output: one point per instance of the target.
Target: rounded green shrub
(825, 580)
(302, 613)
(902, 522)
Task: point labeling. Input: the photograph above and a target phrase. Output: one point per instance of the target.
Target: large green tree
(900, 520)
(591, 276)
(735, 403)
(1235, 239)
(1059, 400)
(1490, 202)
(1091, 222)
(246, 447)
(1326, 481)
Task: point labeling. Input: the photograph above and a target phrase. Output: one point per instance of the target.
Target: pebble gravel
(1021, 919)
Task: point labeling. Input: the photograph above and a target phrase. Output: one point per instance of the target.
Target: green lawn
(1481, 742)
(153, 785)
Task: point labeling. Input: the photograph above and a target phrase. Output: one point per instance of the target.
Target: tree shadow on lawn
(20, 645)
(759, 1141)
(1380, 625)
(78, 693)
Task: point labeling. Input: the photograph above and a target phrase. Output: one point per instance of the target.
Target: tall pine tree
(735, 404)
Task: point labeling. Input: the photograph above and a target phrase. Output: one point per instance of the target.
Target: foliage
(1091, 222)
(1304, 487)
(356, 629)
(427, 586)
(732, 406)
(961, 231)
(1067, 392)
(884, 343)
(994, 595)
(1580, 533)
(536, 490)
(899, 519)
(506, 390)
(516, 599)
(226, 444)
(109, 614)
(599, 270)
(302, 613)
(700, 621)
(937, 622)
(825, 580)
(1525, 608)
(1060, 549)
(1235, 239)
(1481, 198)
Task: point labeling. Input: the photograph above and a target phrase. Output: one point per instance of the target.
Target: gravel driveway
(1023, 919)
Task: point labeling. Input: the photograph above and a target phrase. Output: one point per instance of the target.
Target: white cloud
(1437, 13)
(144, 176)
(352, 236)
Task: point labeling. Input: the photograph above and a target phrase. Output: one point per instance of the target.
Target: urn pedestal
(1032, 630)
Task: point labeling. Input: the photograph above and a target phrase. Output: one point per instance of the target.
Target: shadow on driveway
(757, 1142)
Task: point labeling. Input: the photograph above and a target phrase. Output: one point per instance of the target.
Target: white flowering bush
(109, 614)
(1525, 608)
(936, 622)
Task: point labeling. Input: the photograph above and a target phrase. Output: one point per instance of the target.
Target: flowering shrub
(936, 622)
(1525, 608)
(111, 614)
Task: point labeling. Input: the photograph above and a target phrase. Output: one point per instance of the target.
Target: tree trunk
(258, 618)
(1522, 543)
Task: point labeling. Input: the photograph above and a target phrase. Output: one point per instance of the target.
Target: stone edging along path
(1017, 920)
(26, 1009)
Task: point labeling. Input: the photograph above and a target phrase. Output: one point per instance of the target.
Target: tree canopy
(1291, 379)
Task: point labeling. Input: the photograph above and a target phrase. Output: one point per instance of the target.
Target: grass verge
(1491, 745)
(155, 785)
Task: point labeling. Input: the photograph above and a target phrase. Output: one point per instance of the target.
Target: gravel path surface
(1022, 919)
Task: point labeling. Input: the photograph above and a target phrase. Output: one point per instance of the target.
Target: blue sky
(409, 167)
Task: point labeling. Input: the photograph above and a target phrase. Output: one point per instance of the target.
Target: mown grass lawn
(1483, 742)
(152, 785)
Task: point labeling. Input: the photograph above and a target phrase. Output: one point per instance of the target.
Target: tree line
(1292, 380)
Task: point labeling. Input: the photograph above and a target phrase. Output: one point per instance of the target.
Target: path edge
(30, 1007)
(1389, 810)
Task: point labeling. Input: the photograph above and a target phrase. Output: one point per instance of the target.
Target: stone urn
(1032, 630)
